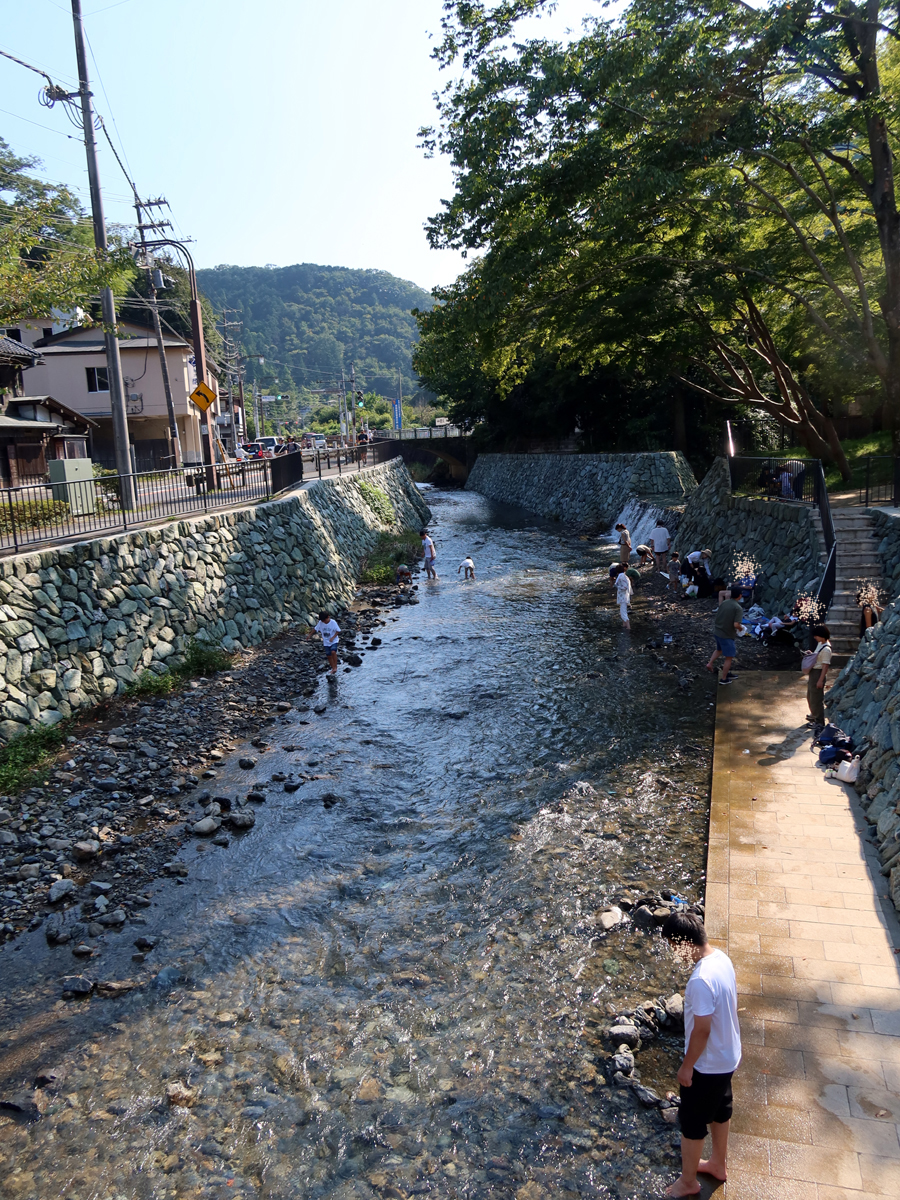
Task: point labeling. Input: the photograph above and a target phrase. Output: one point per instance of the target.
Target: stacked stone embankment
(592, 488)
(865, 702)
(79, 623)
(782, 540)
(886, 523)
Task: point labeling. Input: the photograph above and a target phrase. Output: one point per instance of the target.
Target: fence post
(339, 457)
(896, 496)
(868, 460)
(122, 479)
(12, 518)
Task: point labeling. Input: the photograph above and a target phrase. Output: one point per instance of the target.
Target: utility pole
(139, 205)
(353, 400)
(107, 303)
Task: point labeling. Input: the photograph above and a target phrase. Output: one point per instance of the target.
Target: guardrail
(54, 512)
(425, 431)
(881, 481)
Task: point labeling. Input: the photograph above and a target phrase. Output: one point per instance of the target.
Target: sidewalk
(795, 897)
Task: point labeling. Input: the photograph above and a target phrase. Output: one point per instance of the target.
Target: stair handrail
(825, 594)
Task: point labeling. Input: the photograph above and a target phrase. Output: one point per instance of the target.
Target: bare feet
(709, 1167)
(680, 1188)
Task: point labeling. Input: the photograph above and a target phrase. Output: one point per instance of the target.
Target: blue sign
(397, 413)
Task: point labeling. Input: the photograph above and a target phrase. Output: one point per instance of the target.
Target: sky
(280, 131)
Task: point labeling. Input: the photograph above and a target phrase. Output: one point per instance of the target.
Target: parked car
(320, 443)
(256, 450)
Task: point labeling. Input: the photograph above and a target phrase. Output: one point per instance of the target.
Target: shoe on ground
(726, 681)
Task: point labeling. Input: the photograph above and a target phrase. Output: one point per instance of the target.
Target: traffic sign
(203, 396)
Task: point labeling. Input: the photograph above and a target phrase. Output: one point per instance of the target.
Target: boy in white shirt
(468, 566)
(712, 1052)
(429, 552)
(328, 627)
(659, 543)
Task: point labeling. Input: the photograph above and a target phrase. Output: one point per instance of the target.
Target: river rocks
(643, 917)
(76, 985)
(60, 889)
(86, 850)
(610, 918)
(247, 764)
(625, 1035)
(582, 487)
(180, 1095)
(675, 1007)
(206, 827)
(243, 819)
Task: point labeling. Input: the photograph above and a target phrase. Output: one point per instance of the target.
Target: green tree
(730, 164)
(47, 257)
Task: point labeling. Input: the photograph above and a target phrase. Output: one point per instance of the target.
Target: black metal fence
(880, 483)
(40, 513)
(775, 478)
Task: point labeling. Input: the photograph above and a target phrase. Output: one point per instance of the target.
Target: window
(97, 379)
(47, 332)
(15, 334)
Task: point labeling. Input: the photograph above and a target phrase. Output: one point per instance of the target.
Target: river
(393, 985)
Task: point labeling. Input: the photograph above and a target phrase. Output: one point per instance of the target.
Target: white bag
(848, 771)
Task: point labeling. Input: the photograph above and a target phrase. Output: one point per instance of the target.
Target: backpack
(828, 734)
(831, 754)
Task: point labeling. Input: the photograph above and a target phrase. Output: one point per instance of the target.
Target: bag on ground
(831, 754)
(848, 772)
(828, 734)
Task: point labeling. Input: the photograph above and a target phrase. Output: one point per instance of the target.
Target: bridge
(426, 445)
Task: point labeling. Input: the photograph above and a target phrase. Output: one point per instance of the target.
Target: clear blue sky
(280, 131)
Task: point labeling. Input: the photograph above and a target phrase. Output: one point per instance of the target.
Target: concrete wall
(782, 539)
(79, 623)
(582, 487)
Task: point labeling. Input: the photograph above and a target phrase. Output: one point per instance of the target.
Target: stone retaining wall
(865, 702)
(582, 487)
(782, 539)
(79, 623)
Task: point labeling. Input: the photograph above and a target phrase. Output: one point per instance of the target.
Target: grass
(419, 472)
(201, 658)
(22, 759)
(391, 549)
(378, 501)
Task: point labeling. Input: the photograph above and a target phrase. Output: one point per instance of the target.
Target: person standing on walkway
(815, 687)
(659, 543)
(624, 544)
(429, 552)
(624, 592)
(712, 1052)
(729, 620)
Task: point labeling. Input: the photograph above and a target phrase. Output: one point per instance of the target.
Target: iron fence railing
(774, 478)
(880, 483)
(54, 512)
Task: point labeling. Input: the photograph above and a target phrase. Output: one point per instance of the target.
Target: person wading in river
(328, 627)
(624, 544)
(712, 1052)
(624, 593)
(429, 552)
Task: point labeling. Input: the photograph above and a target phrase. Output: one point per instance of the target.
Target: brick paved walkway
(795, 897)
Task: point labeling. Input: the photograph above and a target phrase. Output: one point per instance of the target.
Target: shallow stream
(395, 984)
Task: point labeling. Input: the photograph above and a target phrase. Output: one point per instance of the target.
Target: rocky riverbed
(432, 964)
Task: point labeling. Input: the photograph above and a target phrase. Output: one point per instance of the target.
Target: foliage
(378, 501)
(31, 514)
(47, 256)
(310, 323)
(21, 759)
(174, 304)
(380, 564)
(697, 190)
(200, 658)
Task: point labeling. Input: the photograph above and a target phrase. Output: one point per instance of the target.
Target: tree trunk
(679, 428)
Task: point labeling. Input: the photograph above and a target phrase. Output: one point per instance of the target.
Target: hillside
(310, 322)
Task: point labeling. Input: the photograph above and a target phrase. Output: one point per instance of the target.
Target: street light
(196, 337)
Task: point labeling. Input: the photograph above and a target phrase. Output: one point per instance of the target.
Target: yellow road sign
(203, 396)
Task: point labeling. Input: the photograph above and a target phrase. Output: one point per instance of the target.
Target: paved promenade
(796, 898)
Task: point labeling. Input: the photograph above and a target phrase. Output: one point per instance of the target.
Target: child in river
(328, 627)
(468, 566)
(674, 584)
(624, 593)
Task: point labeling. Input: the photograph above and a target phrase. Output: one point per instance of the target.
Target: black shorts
(707, 1099)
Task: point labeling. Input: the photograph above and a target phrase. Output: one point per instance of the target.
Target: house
(34, 430)
(72, 368)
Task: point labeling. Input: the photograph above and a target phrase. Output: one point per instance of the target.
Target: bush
(201, 658)
(32, 514)
(380, 564)
(378, 501)
(22, 758)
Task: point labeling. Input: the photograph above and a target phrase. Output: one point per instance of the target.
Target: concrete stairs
(857, 563)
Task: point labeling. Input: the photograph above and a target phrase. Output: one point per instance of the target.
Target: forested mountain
(310, 322)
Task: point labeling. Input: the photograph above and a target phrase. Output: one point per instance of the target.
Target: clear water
(400, 991)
